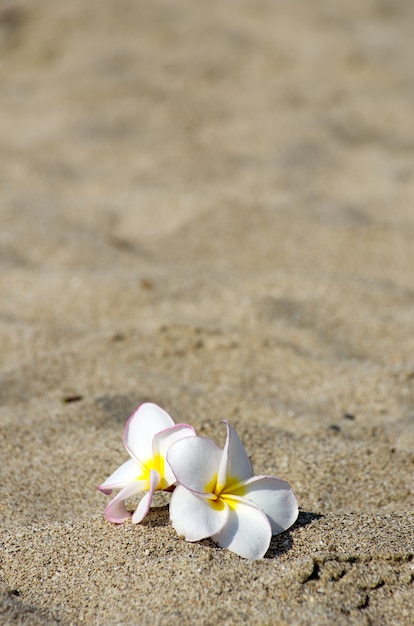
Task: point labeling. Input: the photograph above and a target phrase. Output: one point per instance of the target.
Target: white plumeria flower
(148, 434)
(218, 496)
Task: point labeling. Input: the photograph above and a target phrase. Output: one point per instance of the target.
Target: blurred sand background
(210, 206)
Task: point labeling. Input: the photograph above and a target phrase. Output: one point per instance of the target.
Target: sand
(208, 206)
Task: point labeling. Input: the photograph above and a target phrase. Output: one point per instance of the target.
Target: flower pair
(215, 492)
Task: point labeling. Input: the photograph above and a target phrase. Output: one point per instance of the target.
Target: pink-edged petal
(125, 474)
(148, 420)
(194, 462)
(247, 532)
(165, 438)
(235, 464)
(116, 511)
(162, 442)
(195, 517)
(143, 507)
(276, 499)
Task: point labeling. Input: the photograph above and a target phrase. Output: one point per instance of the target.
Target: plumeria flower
(218, 496)
(148, 434)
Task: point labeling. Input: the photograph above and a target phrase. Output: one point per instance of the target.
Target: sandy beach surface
(208, 206)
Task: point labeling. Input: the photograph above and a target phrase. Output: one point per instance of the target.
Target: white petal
(143, 507)
(276, 499)
(162, 442)
(235, 465)
(116, 511)
(195, 517)
(148, 420)
(247, 532)
(123, 476)
(195, 461)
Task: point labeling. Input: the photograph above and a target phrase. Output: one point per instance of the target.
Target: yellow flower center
(225, 494)
(156, 463)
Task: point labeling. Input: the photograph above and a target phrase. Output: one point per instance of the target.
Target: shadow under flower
(157, 516)
(283, 542)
